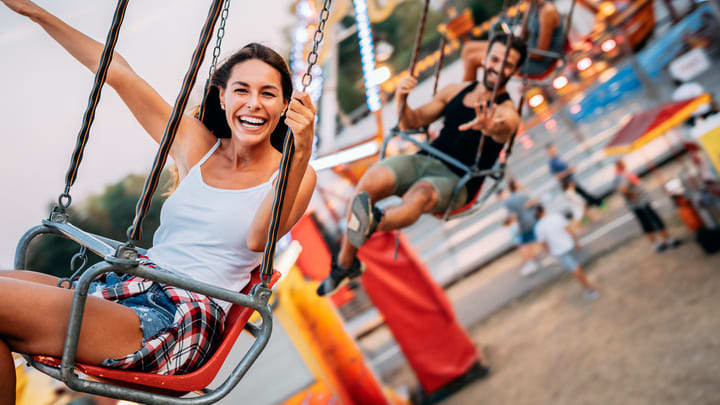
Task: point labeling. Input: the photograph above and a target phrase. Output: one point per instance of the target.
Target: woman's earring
(222, 107)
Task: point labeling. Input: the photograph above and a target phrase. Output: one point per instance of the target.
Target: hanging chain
(79, 260)
(312, 57)
(220, 36)
(215, 56)
(77, 264)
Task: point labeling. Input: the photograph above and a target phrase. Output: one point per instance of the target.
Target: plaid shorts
(182, 347)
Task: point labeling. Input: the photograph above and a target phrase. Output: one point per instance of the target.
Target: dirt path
(653, 336)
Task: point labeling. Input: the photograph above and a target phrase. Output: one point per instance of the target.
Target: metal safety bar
(422, 145)
(258, 300)
(470, 172)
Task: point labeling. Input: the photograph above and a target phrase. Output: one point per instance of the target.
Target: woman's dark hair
(214, 118)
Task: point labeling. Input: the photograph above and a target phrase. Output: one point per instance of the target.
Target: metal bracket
(261, 294)
(58, 215)
(125, 255)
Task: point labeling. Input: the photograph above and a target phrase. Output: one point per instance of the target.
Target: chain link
(79, 260)
(318, 36)
(220, 36)
(77, 264)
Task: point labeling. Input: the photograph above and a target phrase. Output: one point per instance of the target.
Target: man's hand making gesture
(485, 120)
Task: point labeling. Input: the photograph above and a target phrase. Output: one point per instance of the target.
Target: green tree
(399, 30)
(108, 214)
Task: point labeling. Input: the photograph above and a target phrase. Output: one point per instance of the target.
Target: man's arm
(426, 114)
(510, 219)
(531, 202)
(574, 237)
(561, 175)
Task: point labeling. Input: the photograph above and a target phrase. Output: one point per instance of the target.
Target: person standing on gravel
(555, 234)
(638, 201)
(520, 210)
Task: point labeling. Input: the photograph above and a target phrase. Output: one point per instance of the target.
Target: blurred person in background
(565, 174)
(521, 211)
(555, 234)
(544, 32)
(638, 201)
(470, 112)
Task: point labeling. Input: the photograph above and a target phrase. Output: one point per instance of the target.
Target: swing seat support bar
(467, 209)
(257, 300)
(470, 172)
(425, 147)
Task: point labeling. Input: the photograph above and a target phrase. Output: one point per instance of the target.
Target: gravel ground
(652, 337)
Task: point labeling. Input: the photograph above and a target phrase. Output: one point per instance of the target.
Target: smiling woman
(256, 55)
(213, 226)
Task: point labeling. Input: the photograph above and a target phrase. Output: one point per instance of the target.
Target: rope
(134, 233)
(64, 200)
(288, 151)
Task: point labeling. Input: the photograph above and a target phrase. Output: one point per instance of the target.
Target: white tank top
(203, 231)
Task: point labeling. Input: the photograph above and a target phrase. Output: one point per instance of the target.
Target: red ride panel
(417, 312)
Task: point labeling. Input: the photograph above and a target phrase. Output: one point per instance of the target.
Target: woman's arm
(148, 107)
(549, 20)
(300, 117)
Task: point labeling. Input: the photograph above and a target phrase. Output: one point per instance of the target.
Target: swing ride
(474, 171)
(123, 258)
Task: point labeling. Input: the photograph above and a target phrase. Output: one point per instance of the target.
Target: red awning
(652, 123)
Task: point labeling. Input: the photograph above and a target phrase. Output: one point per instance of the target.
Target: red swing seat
(552, 68)
(461, 209)
(181, 384)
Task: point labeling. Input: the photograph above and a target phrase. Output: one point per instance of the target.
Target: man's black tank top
(463, 145)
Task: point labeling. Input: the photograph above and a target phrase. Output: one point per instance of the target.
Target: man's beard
(491, 87)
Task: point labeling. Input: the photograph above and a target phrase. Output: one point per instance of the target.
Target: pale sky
(44, 93)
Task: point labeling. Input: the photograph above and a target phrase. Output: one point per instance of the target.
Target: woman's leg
(34, 316)
(33, 276)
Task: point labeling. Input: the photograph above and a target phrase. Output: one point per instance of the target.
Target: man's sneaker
(340, 275)
(591, 295)
(673, 243)
(661, 247)
(363, 221)
(529, 268)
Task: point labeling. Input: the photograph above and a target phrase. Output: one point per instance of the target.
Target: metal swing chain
(215, 56)
(288, 150)
(77, 265)
(318, 36)
(58, 212)
(220, 35)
